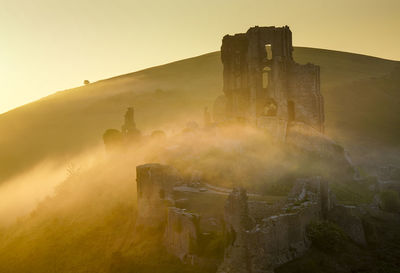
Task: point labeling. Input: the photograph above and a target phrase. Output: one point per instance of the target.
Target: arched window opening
(265, 76)
(268, 49)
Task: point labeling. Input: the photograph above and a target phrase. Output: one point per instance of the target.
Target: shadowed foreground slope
(361, 104)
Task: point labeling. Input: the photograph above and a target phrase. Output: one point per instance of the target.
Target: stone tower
(265, 86)
(129, 129)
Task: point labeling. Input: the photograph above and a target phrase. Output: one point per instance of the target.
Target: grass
(208, 204)
(87, 225)
(352, 192)
(63, 124)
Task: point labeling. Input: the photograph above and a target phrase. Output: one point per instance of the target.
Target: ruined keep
(264, 86)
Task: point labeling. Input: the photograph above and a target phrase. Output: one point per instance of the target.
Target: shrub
(390, 201)
(211, 245)
(326, 236)
(112, 139)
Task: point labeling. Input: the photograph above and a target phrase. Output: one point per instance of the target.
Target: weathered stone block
(154, 187)
(349, 218)
(180, 236)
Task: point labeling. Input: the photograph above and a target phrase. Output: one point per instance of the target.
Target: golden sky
(50, 45)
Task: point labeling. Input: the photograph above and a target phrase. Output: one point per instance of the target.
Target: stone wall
(304, 93)
(181, 232)
(259, 244)
(184, 232)
(236, 258)
(389, 178)
(349, 218)
(154, 186)
(258, 236)
(281, 238)
(389, 173)
(259, 210)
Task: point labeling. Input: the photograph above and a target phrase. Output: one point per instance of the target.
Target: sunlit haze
(48, 45)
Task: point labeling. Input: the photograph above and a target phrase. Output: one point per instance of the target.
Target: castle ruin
(258, 236)
(264, 86)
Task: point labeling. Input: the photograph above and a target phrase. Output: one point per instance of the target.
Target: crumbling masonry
(260, 245)
(258, 236)
(265, 86)
(128, 129)
(154, 187)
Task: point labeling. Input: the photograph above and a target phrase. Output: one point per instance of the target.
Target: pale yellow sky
(50, 45)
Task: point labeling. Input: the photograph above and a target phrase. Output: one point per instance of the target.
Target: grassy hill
(87, 225)
(362, 100)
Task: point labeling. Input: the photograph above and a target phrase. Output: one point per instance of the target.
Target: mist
(89, 203)
(20, 195)
(228, 157)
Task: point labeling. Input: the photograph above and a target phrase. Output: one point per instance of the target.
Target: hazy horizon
(93, 40)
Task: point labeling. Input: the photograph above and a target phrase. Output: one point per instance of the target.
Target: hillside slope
(361, 102)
